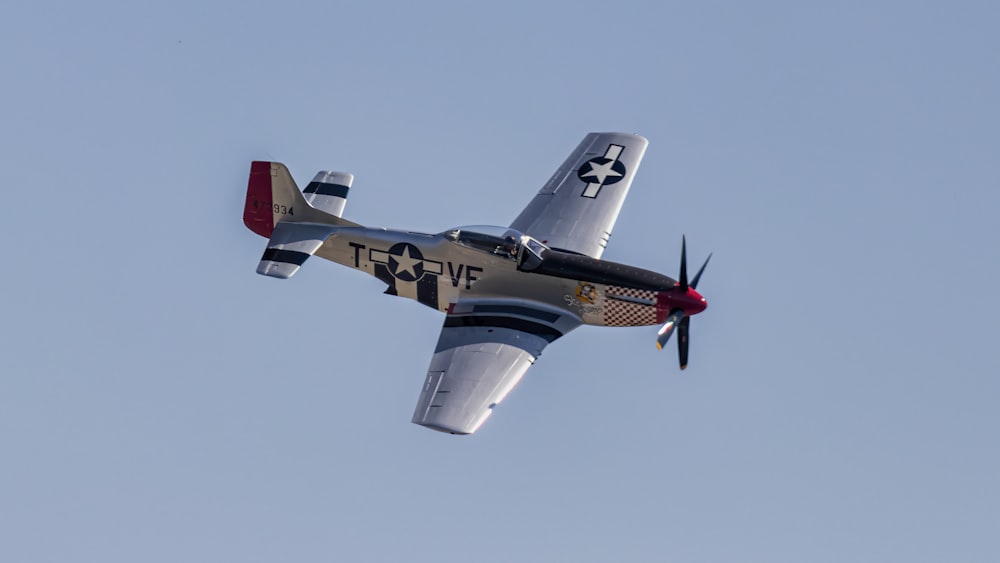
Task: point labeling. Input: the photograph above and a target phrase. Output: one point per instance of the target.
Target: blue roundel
(601, 170)
(406, 263)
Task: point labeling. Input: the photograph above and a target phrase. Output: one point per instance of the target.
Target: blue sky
(161, 402)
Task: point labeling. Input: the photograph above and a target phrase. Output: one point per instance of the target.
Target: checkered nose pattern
(625, 306)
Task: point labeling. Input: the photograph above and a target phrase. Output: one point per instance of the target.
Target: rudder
(272, 197)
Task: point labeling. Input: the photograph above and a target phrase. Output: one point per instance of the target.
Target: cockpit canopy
(501, 241)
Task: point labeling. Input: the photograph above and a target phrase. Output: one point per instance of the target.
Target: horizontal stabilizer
(328, 191)
(290, 245)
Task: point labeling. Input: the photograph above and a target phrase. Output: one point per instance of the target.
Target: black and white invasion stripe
(328, 191)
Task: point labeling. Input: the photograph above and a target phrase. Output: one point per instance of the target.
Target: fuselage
(490, 264)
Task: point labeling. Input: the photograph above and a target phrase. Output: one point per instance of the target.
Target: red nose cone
(698, 303)
(691, 302)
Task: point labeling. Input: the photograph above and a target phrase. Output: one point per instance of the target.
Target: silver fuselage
(439, 272)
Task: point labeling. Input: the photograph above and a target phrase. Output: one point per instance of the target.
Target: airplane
(507, 292)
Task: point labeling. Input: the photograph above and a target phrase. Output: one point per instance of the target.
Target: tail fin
(273, 197)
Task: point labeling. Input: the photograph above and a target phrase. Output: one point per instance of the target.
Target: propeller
(676, 316)
(679, 319)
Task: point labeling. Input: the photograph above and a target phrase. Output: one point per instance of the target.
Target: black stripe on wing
(545, 331)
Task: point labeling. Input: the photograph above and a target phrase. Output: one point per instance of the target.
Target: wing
(482, 353)
(578, 206)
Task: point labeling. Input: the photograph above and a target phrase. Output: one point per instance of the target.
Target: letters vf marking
(456, 275)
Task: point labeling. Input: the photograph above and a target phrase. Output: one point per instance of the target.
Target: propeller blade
(683, 331)
(694, 282)
(663, 335)
(677, 320)
(684, 264)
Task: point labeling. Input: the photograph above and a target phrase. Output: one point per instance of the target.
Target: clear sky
(161, 402)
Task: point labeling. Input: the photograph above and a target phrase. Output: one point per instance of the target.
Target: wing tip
(635, 136)
(443, 429)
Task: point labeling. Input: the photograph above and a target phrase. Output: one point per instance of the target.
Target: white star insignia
(601, 171)
(406, 263)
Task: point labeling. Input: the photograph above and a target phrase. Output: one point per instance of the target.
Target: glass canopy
(502, 241)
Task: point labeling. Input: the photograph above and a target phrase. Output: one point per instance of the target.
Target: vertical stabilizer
(273, 197)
